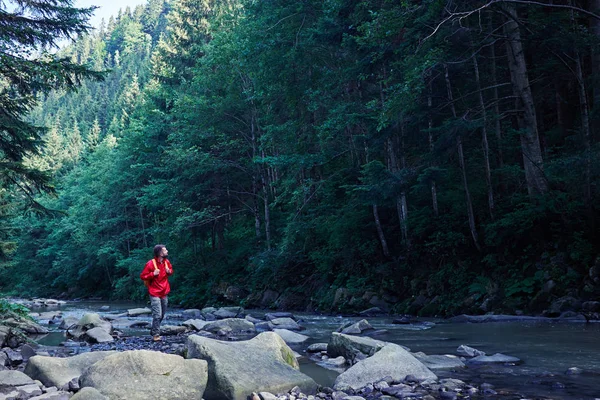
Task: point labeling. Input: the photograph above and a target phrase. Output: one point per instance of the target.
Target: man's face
(164, 252)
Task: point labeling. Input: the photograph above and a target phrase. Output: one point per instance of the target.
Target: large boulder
(98, 335)
(566, 303)
(89, 321)
(284, 323)
(269, 297)
(68, 322)
(54, 371)
(5, 333)
(146, 375)
(196, 324)
(228, 312)
(355, 328)
(391, 361)
(352, 348)
(236, 369)
(230, 325)
(25, 325)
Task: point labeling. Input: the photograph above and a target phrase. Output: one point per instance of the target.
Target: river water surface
(547, 349)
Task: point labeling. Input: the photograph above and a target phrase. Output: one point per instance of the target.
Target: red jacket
(159, 285)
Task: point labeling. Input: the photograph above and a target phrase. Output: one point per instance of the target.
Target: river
(547, 349)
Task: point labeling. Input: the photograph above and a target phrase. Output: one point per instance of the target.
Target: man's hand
(167, 270)
(156, 272)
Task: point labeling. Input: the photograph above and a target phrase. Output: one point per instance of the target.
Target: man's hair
(157, 249)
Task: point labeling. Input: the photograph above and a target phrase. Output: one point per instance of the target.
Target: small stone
(448, 395)
(558, 385)
(29, 390)
(338, 395)
(381, 385)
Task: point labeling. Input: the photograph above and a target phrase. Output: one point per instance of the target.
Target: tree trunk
(384, 245)
(530, 142)
(430, 126)
(401, 206)
(484, 141)
(585, 123)
(595, 28)
(496, 99)
(401, 203)
(461, 160)
(380, 233)
(255, 180)
(265, 185)
(143, 228)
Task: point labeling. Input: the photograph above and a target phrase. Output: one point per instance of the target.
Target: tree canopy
(432, 156)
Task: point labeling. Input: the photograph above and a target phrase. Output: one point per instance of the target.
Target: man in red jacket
(156, 273)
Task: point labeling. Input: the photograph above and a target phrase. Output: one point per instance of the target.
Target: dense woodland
(440, 155)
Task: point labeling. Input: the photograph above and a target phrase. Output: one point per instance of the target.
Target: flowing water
(547, 349)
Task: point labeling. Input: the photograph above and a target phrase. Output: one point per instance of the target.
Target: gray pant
(159, 308)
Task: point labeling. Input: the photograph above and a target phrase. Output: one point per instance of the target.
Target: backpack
(147, 281)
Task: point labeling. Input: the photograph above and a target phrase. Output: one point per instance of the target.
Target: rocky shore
(225, 353)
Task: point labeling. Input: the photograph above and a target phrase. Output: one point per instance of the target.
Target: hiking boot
(156, 338)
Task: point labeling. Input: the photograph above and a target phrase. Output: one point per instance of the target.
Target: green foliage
(8, 308)
(279, 145)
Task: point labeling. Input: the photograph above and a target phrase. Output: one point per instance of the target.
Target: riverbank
(420, 336)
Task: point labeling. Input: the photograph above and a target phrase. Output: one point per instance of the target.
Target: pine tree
(28, 30)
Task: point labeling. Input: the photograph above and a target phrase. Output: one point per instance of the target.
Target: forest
(430, 157)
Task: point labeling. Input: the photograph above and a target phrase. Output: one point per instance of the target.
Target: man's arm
(148, 271)
(169, 268)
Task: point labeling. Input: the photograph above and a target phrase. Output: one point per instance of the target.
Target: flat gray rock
(284, 323)
(196, 324)
(126, 323)
(231, 325)
(291, 337)
(136, 312)
(55, 371)
(14, 378)
(98, 335)
(438, 362)
(497, 358)
(317, 347)
(392, 360)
